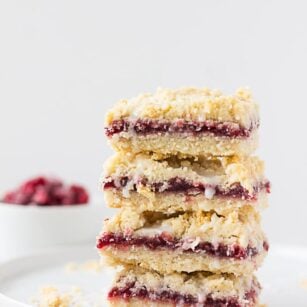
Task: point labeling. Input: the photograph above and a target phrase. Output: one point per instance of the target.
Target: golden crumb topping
(189, 103)
(223, 171)
(229, 226)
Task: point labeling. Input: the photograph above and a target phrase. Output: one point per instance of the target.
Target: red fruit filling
(181, 185)
(44, 191)
(148, 126)
(168, 242)
(131, 291)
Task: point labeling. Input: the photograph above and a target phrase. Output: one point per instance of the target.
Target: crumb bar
(185, 242)
(190, 121)
(176, 184)
(137, 288)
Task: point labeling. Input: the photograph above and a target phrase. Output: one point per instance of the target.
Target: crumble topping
(240, 226)
(213, 171)
(196, 104)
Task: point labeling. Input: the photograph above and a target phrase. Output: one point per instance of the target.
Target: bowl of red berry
(45, 212)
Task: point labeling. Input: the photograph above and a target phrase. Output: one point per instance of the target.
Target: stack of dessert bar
(189, 193)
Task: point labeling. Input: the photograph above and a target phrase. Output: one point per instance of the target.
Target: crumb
(50, 296)
(93, 265)
(89, 266)
(71, 267)
(303, 284)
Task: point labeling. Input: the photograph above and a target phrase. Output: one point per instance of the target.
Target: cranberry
(41, 196)
(45, 191)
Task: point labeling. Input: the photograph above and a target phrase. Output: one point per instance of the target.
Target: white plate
(22, 278)
(283, 277)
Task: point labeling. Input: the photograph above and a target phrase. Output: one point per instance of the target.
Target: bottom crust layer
(186, 145)
(176, 202)
(166, 262)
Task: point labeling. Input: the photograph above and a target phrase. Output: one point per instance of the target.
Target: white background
(64, 63)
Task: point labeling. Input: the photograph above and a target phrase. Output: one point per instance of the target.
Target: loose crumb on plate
(303, 283)
(73, 296)
(95, 266)
(50, 296)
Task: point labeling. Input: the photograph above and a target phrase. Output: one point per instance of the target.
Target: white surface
(27, 228)
(282, 276)
(64, 63)
(22, 278)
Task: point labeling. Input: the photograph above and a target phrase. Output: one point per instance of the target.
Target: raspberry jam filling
(181, 185)
(131, 291)
(166, 241)
(148, 126)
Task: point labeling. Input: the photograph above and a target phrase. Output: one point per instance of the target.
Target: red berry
(45, 192)
(41, 197)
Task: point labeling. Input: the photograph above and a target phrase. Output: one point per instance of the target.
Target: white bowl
(24, 229)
